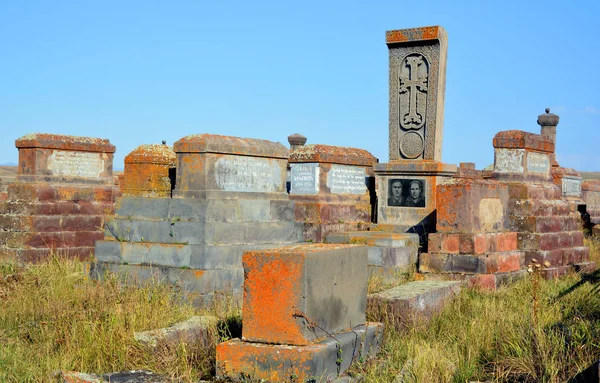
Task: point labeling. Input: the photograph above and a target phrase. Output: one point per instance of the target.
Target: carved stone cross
(410, 83)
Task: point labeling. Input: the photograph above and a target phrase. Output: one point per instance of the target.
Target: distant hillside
(590, 175)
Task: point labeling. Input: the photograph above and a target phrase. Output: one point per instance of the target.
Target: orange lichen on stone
(332, 154)
(64, 142)
(590, 185)
(517, 139)
(273, 363)
(212, 143)
(147, 171)
(414, 34)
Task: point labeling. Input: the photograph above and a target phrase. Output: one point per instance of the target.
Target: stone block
(196, 331)
(479, 264)
(295, 295)
(552, 273)
(472, 205)
(585, 267)
(189, 281)
(549, 241)
(147, 170)
(137, 207)
(417, 300)
(282, 210)
(321, 361)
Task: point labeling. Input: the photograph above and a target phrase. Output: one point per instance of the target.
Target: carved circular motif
(411, 145)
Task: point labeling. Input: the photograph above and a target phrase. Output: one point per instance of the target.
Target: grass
(494, 336)
(55, 318)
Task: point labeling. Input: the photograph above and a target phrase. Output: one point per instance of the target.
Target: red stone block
(466, 244)
(87, 238)
(450, 243)
(480, 246)
(434, 242)
(516, 139)
(147, 171)
(288, 289)
(482, 281)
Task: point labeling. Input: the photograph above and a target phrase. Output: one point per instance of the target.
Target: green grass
(53, 317)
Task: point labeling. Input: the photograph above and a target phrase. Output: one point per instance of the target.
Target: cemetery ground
(55, 318)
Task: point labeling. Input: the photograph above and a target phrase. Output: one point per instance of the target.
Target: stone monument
(406, 185)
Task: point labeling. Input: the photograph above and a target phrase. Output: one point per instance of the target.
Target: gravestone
(332, 187)
(541, 209)
(149, 171)
(229, 197)
(406, 185)
(63, 193)
(304, 315)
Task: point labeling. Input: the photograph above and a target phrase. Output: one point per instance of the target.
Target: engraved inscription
(538, 163)
(413, 91)
(304, 178)
(344, 179)
(509, 160)
(247, 174)
(76, 164)
(571, 186)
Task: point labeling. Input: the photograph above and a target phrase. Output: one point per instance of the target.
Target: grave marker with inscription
(330, 185)
(229, 197)
(417, 82)
(63, 192)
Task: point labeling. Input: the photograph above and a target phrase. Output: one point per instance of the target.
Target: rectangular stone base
(475, 264)
(322, 361)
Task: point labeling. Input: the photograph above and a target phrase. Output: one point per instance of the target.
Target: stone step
(326, 359)
(474, 264)
(546, 224)
(199, 233)
(539, 207)
(33, 255)
(197, 286)
(483, 281)
(375, 238)
(211, 210)
(559, 257)
(404, 304)
(202, 257)
(549, 241)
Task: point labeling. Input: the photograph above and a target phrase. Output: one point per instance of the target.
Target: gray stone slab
(254, 211)
(188, 280)
(156, 231)
(135, 207)
(108, 251)
(282, 211)
(187, 209)
(412, 301)
(194, 332)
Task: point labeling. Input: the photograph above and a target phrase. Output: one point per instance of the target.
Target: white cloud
(591, 110)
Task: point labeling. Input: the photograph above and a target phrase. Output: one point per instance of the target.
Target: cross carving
(411, 84)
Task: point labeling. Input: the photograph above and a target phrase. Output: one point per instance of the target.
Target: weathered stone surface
(196, 331)
(135, 376)
(148, 171)
(412, 301)
(288, 289)
(60, 158)
(417, 61)
(465, 263)
(322, 361)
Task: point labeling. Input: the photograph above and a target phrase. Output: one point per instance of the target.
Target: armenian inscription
(571, 186)
(538, 163)
(304, 178)
(509, 160)
(344, 179)
(247, 174)
(75, 164)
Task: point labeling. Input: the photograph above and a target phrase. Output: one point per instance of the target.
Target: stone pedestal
(472, 228)
(333, 188)
(415, 208)
(547, 223)
(303, 313)
(63, 192)
(229, 197)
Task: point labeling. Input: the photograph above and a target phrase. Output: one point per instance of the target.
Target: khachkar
(406, 185)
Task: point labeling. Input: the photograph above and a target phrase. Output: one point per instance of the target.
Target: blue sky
(139, 72)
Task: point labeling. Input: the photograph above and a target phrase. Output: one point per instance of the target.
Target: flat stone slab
(322, 361)
(136, 376)
(375, 238)
(196, 330)
(412, 301)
